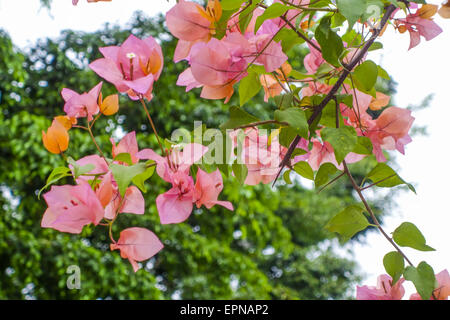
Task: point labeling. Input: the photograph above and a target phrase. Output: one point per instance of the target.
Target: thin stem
(369, 210)
(153, 125)
(95, 142)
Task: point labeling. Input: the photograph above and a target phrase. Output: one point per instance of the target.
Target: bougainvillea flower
(314, 88)
(261, 158)
(133, 202)
(383, 291)
(442, 292)
(267, 52)
(186, 79)
(379, 102)
(419, 24)
(128, 144)
(233, 25)
(313, 60)
(324, 153)
(109, 105)
(137, 244)
(207, 189)
(105, 190)
(273, 86)
(131, 67)
(70, 208)
(100, 167)
(175, 205)
(81, 105)
(66, 121)
(390, 131)
(188, 21)
(213, 65)
(177, 161)
(56, 139)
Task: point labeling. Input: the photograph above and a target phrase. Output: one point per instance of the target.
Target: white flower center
(131, 55)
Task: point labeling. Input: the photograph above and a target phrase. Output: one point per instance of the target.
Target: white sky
(419, 72)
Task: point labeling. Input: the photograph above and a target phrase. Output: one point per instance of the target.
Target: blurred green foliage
(273, 246)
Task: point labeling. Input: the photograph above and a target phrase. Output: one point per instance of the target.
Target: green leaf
(385, 177)
(231, 4)
(80, 170)
(246, 16)
(343, 140)
(140, 179)
(289, 38)
(238, 117)
(363, 146)
(221, 25)
(284, 101)
(57, 174)
(376, 46)
(296, 119)
(408, 235)
(423, 279)
(324, 173)
(125, 174)
(287, 135)
(304, 169)
(351, 9)
(394, 264)
(240, 171)
(329, 41)
(298, 75)
(365, 76)
(286, 177)
(383, 73)
(274, 11)
(124, 157)
(348, 222)
(249, 87)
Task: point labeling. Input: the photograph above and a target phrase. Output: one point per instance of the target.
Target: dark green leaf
(329, 41)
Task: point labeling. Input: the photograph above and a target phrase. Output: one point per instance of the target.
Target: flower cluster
(330, 113)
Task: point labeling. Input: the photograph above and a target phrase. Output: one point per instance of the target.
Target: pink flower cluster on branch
(216, 65)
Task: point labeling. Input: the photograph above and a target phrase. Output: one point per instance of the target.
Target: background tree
(272, 246)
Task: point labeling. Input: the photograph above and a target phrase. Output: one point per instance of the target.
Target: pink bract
(131, 67)
(137, 244)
